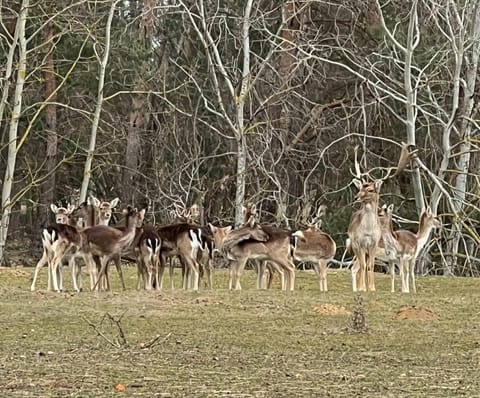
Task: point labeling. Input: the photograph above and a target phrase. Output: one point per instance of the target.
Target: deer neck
(130, 231)
(423, 234)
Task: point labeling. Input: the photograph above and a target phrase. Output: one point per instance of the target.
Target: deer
(148, 258)
(258, 242)
(62, 216)
(105, 243)
(177, 246)
(364, 230)
(317, 247)
(410, 246)
(184, 240)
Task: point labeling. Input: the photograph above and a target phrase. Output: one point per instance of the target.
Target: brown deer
(410, 247)
(62, 216)
(105, 243)
(364, 230)
(185, 241)
(180, 247)
(258, 242)
(317, 247)
(148, 258)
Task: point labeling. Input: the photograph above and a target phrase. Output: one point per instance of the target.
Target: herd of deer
(370, 236)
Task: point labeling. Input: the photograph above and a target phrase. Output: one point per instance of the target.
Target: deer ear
(114, 203)
(428, 210)
(54, 208)
(70, 208)
(141, 214)
(378, 184)
(358, 183)
(212, 228)
(95, 201)
(390, 208)
(227, 229)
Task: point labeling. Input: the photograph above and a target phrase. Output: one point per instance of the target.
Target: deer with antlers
(317, 247)
(186, 239)
(364, 230)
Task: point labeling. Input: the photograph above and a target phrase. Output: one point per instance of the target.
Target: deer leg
(140, 276)
(370, 269)
(73, 267)
(271, 272)
(402, 274)
(391, 264)
(322, 274)
(41, 263)
(170, 273)
(361, 258)
(99, 282)
(260, 266)
(412, 273)
(160, 273)
(239, 267)
(354, 270)
(118, 264)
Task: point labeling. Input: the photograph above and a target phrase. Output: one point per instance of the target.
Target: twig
(122, 338)
(155, 341)
(101, 334)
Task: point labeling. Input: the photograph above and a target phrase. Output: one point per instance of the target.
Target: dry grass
(239, 344)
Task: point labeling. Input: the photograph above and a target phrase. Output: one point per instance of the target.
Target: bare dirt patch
(18, 272)
(330, 309)
(415, 314)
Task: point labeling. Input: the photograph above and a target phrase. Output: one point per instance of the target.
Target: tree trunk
(463, 164)
(13, 129)
(51, 124)
(240, 134)
(98, 107)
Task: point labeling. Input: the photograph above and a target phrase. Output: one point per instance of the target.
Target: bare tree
(98, 106)
(13, 129)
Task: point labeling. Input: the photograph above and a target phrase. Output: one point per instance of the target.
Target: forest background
(224, 103)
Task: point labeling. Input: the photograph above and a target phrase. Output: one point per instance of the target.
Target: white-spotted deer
(364, 230)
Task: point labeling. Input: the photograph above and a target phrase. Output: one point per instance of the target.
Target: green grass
(238, 344)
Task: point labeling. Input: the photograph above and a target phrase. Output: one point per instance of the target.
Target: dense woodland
(224, 103)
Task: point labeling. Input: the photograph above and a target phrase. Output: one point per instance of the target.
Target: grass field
(240, 344)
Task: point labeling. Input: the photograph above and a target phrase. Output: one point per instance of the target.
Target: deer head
(105, 209)
(61, 213)
(315, 223)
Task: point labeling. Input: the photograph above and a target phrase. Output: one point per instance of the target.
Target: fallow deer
(259, 242)
(148, 258)
(184, 240)
(410, 247)
(198, 237)
(317, 247)
(105, 243)
(364, 230)
(62, 216)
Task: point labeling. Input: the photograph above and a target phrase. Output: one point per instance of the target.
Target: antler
(407, 153)
(358, 173)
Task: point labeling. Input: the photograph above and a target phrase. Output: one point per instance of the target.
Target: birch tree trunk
(51, 123)
(98, 107)
(8, 72)
(463, 164)
(240, 102)
(13, 129)
(413, 39)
